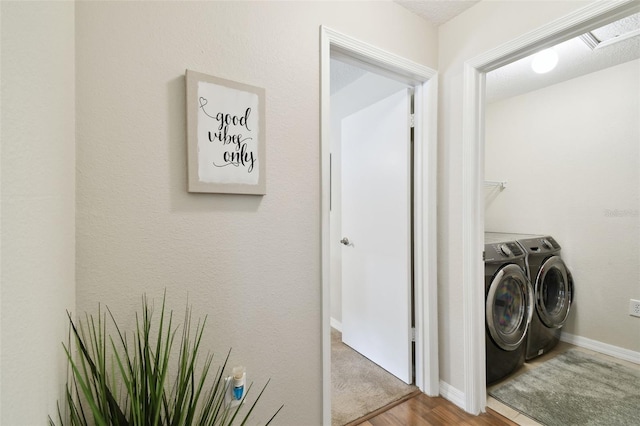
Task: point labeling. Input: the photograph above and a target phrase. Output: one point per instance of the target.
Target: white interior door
(376, 220)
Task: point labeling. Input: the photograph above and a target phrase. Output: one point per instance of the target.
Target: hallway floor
(423, 410)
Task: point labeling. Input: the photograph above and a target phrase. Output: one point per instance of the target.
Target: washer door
(554, 292)
(509, 307)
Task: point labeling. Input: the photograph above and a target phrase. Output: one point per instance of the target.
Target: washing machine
(553, 293)
(508, 305)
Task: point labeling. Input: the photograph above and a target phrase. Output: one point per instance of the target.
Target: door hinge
(413, 334)
(412, 120)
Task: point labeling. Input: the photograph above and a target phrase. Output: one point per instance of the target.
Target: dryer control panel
(502, 251)
(540, 245)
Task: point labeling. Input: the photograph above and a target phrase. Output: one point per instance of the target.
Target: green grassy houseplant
(131, 380)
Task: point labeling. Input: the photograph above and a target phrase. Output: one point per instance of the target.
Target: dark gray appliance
(553, 293)
(508, 306)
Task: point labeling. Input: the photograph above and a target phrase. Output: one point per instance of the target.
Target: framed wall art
(225, 136)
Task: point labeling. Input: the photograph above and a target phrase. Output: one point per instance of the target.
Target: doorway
(371, 268)
(424, 82)
(522, 127)
(579, 22)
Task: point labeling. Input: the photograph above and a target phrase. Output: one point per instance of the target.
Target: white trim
(377, 58)
(472, 240)
(425, 226)
(590, 40)
(325, 148)
(603, 348)
(452, 394)
(335, 324)
(425, 82)
(584, 19)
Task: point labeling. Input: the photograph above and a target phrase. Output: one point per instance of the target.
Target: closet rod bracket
(501, 184)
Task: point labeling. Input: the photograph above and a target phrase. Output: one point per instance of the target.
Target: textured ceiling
(618, 28)
(437, 11)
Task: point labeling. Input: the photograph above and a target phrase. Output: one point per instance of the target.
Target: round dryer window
(554, 292)
(509, 307)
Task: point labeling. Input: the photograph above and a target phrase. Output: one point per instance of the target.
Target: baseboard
(603, 348)
(336, 324)
(452, 394)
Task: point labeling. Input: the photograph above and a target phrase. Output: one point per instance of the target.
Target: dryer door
(554, 292)
(509, 306)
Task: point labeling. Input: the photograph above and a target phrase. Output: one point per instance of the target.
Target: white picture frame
(225, 136)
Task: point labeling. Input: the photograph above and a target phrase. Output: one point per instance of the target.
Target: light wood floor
(422, 410)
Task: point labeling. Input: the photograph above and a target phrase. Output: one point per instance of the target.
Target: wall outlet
(634, 308)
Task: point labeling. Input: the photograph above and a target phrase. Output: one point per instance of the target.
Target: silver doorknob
(345, 241)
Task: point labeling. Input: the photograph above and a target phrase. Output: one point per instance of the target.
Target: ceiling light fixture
(544, 61)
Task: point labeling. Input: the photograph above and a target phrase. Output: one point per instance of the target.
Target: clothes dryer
(553, 293)
(508, 306)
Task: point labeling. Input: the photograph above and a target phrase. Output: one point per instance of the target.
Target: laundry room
(569, 153)
(562, 159)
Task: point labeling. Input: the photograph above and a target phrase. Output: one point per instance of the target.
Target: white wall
(485, 26)
(571, 155)
(251, 263)
(38, 205)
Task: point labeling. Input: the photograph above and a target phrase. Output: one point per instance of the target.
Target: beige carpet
(358, 386)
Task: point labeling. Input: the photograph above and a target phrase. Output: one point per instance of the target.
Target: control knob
(505, 250)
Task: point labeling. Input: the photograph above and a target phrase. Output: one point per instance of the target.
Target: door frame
(582, 20)
(425, 81)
